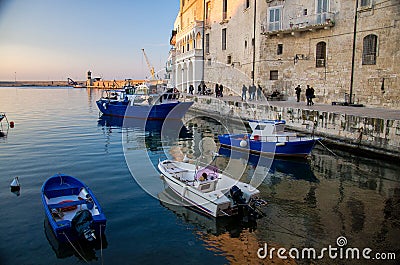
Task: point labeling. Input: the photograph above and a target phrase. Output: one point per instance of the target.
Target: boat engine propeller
(82, 223)
(251, 210)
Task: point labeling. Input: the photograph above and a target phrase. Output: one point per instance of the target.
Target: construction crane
(151, 68)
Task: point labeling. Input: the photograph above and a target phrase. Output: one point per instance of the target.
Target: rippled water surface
(310, 202)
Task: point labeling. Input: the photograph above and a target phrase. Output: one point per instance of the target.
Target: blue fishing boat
(72, 209)
(140, 102)
(269, 137)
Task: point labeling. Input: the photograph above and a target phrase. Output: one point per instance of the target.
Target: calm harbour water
(310, 203)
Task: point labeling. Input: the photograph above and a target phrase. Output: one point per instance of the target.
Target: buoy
(11, 124)
(243, 143)
(15, 185)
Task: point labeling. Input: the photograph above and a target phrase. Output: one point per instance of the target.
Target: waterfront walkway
(369, 112)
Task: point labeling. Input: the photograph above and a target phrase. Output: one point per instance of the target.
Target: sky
(56, 39)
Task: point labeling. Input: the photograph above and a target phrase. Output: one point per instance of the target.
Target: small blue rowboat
(72, 209)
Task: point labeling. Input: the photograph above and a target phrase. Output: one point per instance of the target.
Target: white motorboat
(208, 189)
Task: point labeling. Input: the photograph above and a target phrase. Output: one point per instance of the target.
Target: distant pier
(34, 83)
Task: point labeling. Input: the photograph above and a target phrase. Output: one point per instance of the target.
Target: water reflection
(85, 251)
(311, 202)
(296, 168)
(227, 236)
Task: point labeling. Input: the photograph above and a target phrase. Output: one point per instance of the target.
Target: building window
(275, 18)
(365, 3)
(247, 4)
(322, 11)
(224, 9)
(207, 44)
(245, 44)
(369, 49)
(273, 75)
(208, 13)
(280, 49)
(188, 46)
(229, 59)
(320, 54)
(209, 62)
(223, 39)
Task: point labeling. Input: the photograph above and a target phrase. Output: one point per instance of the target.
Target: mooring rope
(101, 246)
(319, 141)
(76, 250)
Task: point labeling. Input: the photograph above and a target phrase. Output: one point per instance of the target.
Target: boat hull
(170, 110)
(61, 188)
(299, 148)
(196, 199)
(210, 197)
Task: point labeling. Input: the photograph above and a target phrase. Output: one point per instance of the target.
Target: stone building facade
(313, 42)
(347, 50)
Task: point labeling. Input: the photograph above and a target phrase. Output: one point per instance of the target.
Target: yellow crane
(151, 68)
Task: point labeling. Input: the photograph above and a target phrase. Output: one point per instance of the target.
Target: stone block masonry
(372, 131)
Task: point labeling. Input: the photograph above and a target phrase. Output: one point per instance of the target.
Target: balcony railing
(304, 23)
(194, 53)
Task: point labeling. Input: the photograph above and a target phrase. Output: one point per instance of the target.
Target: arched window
(320, 54)
(369, 49)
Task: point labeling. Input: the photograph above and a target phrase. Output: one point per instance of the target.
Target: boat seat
(63, 223)
(176, 170)
(66, 204)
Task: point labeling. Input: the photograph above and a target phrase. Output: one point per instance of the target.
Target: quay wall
(368, 135)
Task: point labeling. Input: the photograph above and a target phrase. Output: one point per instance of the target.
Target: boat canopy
(267, 127)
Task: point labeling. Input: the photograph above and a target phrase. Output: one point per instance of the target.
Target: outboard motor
(249, 210)
(82, 223)
(237, 197)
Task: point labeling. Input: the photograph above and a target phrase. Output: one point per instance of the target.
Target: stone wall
(375, 135)
(333, 81)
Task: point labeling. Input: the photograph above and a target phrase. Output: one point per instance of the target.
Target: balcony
(192, 54)
(195, 26)
(301, 24)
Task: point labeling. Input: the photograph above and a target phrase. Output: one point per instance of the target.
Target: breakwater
(367, 130)
(33, 83)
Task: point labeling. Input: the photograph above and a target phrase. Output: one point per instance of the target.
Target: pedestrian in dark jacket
(309, 95)
(298, 92)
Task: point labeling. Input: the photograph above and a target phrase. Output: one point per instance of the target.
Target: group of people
(202, 89)
(310, 94)
(252, 90)
(219, 90)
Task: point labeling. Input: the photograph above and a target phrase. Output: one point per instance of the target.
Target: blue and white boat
(140, 102)
(72, 209)
(269, 137)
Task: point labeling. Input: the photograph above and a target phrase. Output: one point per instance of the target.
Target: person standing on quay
(259, 92)
(308, 95)
(216, 90)
(312, 95)
(298, 91)
(244, 91)
(221, 90)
